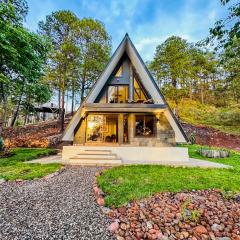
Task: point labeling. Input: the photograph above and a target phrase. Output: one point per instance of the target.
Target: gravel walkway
(62, 207)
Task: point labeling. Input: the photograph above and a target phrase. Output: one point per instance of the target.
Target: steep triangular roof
(126, 46)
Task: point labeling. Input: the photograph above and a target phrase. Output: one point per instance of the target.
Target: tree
(81, 49)
(183, 69)
(59, 28)
(22, 58)
(226, 30)
(171, 61)
(231, 64)
(95, 47)
(171, 67)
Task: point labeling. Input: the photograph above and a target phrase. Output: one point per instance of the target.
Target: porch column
(131, 126)
(120, 128)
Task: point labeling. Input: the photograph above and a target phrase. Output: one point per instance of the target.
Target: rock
(216, 227)
(185, 234)
(97, 174)
(223, 238)
(100, 201)
(113, 227)
(96, 190)
(149, 225)
(200, 230)
(212, 236)
(106, 210)
(123, 226)
(120, 238)
(19, 180)
(238, 198)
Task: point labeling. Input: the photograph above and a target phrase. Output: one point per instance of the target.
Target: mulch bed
(194, 215)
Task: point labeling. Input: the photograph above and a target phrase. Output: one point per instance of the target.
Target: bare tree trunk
(62, 110)
(73, 99)
(82, 90)
(25, 118)
(66, 104)
(59, 101)
(15, 114)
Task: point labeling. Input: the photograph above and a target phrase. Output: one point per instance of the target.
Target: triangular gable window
(139, 92)
(119, 72)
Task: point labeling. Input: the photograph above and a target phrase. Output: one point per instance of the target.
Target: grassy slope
(14, 167)
(123, 184)
(223, 119)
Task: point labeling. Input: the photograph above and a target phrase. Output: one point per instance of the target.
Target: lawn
(126, 183)
(15, 167)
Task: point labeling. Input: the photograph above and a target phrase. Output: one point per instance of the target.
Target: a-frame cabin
(125, 113)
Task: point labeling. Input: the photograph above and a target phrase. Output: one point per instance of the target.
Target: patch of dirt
(212, 137)
(45, 134)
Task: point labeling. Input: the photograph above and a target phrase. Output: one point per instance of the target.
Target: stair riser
(83, 156)
(80, 161)
(94, 152)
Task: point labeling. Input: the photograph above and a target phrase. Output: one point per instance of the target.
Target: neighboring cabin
(125, 108)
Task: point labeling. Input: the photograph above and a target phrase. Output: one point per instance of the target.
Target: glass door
(102, 128)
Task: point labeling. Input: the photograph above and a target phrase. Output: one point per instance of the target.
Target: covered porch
(121, 124)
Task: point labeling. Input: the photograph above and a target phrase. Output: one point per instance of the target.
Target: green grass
(15, 167)
(233, 160)
(127, 183)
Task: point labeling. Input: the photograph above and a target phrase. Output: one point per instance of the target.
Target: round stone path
(62, 207)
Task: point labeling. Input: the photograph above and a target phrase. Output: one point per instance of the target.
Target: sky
(148, 22)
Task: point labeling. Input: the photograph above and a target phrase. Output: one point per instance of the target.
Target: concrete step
(95, 156)
(95, 152)
(77, 161)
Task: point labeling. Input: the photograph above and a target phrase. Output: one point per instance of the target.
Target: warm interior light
(91, 125)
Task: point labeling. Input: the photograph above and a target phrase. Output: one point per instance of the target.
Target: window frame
(117, 86)
(141, 88)
(154, 134)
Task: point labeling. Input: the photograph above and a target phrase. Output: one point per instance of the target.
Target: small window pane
(112, 94)
(122, 94)
(119, 72)
(138, 92)
(145, 125)
(117, 94)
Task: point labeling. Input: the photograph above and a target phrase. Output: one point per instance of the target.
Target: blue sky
(148, 22)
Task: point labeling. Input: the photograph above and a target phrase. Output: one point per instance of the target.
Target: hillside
(225, 119)
(48, 134)
(44, 134)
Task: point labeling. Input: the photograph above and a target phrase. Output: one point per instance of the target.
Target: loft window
(117, 94)
(119, 72)
(138, 92)
(145, 125)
